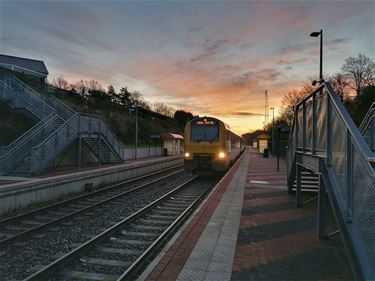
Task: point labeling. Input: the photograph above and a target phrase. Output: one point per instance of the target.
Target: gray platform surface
(212, 256)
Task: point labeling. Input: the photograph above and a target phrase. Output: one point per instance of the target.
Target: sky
(214, 58)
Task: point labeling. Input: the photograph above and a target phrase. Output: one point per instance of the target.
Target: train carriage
(210, 145)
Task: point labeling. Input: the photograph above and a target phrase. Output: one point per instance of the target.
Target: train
(210, 145)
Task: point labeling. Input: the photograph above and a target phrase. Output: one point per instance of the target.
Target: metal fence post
(349, 178)
(298, 187)
(304, 126)
(322, 199)
(314, 125)
(329, 131)
(100, 150)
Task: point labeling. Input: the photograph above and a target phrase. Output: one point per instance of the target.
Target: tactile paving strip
(212, 256)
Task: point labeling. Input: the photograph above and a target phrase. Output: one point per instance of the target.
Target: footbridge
(58, 127)
(327, 146)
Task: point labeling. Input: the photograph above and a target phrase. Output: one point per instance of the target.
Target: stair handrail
(28, 134)
(31, 95)
(24, 147)
(351, 179)
(38, 164)
(107, 132)
(370, 115)
(52, 102)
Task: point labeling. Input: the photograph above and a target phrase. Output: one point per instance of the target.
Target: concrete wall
(37, 190)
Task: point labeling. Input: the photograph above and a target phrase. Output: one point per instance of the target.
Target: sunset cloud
(209, 57)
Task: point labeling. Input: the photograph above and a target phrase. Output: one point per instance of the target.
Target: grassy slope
(12, 124)
(121, 121)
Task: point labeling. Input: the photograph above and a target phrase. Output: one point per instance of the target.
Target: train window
(204, 132)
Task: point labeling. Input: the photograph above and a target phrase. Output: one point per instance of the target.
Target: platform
(249, 229)
(17, 193)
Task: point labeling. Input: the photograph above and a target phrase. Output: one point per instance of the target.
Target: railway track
(25, 224)
(121, 251)
(25, 255)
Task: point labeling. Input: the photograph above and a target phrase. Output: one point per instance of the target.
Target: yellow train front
(210, 145)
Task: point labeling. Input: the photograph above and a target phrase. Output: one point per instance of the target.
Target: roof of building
(173, 136)
(24, 65)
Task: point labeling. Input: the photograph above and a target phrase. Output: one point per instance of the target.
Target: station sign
(284, 129)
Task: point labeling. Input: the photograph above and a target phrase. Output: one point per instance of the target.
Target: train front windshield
(205, 130)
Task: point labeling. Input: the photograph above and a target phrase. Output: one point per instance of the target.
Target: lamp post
(316, 34)
(135, 108)
(272, 132)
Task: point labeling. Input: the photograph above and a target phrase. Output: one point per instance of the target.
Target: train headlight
(187, 154)
(221, 155)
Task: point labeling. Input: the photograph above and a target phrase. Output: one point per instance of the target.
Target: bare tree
(289, 101)
(340, 84)
(94, 85)
(161, 108)
(361, 71)
(136, 98)
(61, 83)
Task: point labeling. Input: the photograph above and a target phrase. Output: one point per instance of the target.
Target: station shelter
(262, 142)
(32, 72)
(173, 143)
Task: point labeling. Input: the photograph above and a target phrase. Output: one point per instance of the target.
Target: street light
(272, 132)
(135, 108)
(316, 34)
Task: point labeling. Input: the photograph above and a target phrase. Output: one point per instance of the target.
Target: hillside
(122, 119)
(13, 124)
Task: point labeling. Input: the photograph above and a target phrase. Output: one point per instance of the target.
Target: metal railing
(20, 149)
(367, 127)
(18, 96)
(82, 124)
(143, 152)
(43, 142)
(59, 107)
(89, 123)
(322, 129)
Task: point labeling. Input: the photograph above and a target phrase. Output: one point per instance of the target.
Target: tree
(289, 101)
(81, 88)
(94, 85)
(361, 71)
(340, 85)
(111, 92)
(161, 108)
(183, 116)
(61, 83)
(99, 95)
(136, 98)
(124, 96)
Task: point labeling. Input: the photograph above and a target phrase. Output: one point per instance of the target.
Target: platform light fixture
(317, 34)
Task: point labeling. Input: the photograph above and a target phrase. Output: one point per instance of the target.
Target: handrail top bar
(5, 84)
(318, 89)
(30, 131)
(367, 118)
(55, 132)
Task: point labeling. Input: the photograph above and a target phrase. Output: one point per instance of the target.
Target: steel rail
(58, 219)
(53, 267)
(141, 260)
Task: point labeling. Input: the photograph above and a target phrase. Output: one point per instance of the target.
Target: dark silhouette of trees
(340, 85)
(183, 116)
(124, 96)
(288, 103)
(161, 108)
(361, 71)
(111, 92)
(61, 83)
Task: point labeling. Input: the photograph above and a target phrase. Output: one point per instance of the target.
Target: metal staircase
(58, 128)
(325, 141)
(367, 127)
